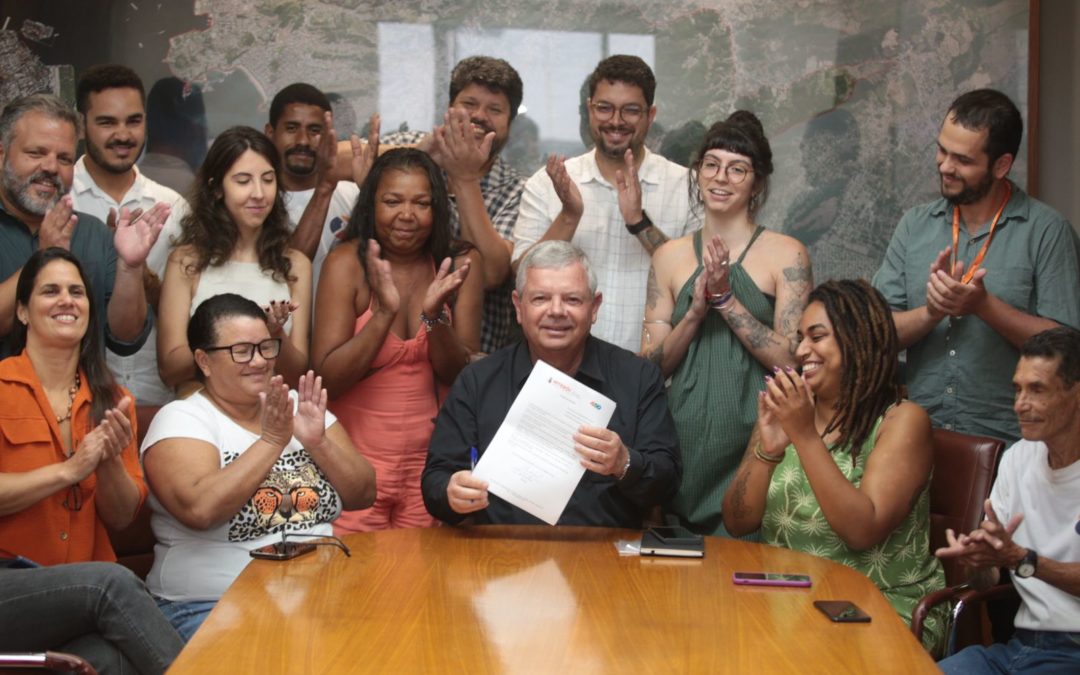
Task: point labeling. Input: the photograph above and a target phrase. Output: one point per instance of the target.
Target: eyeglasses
(629, 113)
(244, 352)
(73, 500)
(736, 172)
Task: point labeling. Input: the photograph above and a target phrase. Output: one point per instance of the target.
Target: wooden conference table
(545, 600)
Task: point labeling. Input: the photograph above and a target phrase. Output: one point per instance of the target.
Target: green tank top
(713, 399)
(901, 566)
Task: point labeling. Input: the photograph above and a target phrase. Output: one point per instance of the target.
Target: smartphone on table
(771, 579)
(842, 611)
(282, 551)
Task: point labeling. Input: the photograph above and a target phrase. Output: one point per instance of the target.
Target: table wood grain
(542, 600)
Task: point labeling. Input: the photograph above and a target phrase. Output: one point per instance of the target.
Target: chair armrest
(993, 593)
(56, 661)
(932, 600)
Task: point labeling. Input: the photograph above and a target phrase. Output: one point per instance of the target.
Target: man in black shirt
(631, 466)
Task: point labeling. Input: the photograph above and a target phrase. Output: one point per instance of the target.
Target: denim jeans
(99, 611)
(1034, 652)
(185, 616)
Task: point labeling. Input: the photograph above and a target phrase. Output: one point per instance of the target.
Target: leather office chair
(134, 545)
(54, 661)
(964, 470)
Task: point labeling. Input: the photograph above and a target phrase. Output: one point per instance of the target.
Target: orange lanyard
(977, 262)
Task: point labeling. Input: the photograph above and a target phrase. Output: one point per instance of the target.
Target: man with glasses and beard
(37, 150)
(1002, 267)
(618, 202)
(110, 99)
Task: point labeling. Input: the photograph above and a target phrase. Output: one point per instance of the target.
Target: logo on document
(596, 405)
(559, 385)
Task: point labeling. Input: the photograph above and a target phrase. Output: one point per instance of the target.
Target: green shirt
(901, 565)
(961, 372)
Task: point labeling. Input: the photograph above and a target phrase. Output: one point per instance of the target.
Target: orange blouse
(48, 532)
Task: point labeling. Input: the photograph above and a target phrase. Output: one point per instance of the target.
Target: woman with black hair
(386, 342)
(68, 463)
(239, 464)
(236, 239)
(722, 308)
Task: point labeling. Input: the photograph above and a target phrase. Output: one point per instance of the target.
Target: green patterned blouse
(902, 566)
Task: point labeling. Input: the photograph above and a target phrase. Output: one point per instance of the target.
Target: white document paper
(531, 462)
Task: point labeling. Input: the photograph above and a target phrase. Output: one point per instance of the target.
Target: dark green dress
(713, 399)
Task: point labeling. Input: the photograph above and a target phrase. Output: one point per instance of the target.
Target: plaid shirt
(501, 188)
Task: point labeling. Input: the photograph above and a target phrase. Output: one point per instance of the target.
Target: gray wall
(1059, 107)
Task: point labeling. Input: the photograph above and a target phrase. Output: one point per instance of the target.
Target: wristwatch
(1025, 569)
(638, 228)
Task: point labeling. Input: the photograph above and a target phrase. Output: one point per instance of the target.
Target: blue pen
(473, 456)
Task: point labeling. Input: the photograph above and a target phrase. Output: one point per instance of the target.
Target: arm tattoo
(738, 495)
(757, 334)
(799, 280)
(652, 289)
(652, 238)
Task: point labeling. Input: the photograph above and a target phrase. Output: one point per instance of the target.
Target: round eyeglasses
(736, 172)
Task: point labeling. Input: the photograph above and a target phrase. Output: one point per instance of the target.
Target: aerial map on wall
(851, 94)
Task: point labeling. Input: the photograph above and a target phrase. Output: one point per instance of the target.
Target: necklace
(74, 389)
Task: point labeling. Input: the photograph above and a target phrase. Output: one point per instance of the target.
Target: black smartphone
(842, 611)
(282, 551)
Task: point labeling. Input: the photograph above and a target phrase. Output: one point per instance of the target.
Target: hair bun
(747, 121)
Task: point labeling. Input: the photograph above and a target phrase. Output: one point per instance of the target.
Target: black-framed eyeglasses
(73, 499)
(243, 352)
(630, 113)
(736, 172)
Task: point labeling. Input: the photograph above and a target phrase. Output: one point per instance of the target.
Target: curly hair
(494, 74)
(626, 69)
(209, 229)
(863, 328)
(441, 244)
(104, 393)
(742, 134)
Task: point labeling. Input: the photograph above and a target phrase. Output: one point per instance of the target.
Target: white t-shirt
(619, 260)
(1050, 502)
(337, 217)
(194, 565)
(138, 372)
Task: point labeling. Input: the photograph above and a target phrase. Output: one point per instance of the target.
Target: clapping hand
(277, 315)
(309, 424)
(443, 286)
(461, 155)
(384, 293)
(58, 225)
(565, 187)
(788, 398)
(629, 187)
(715, 258)
(773, 438)
(277, 413)
(990, 545)
(106, 441)
(365, 154)
(134, 237)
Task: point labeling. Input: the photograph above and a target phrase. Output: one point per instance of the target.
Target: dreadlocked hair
(864, 331)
